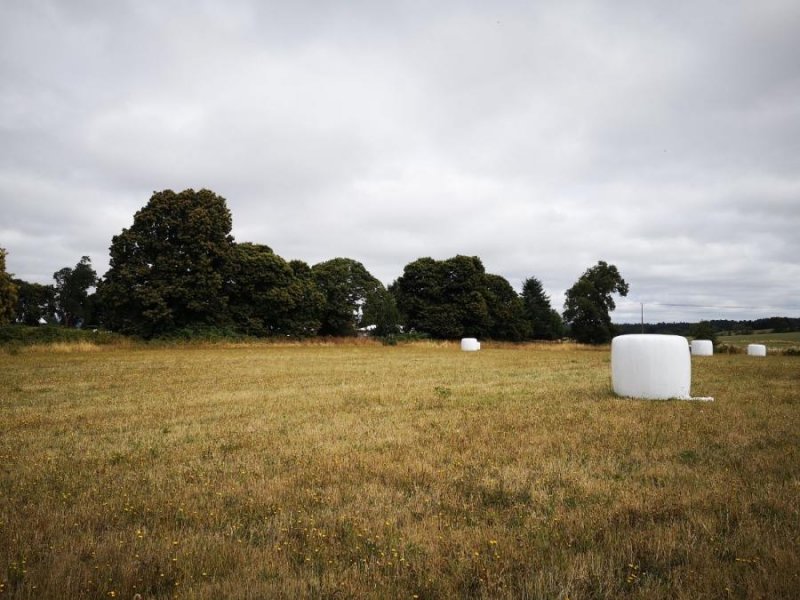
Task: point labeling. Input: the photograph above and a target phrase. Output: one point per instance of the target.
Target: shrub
(26, 335)
(203, 333)
(729, 349)
(401, 338)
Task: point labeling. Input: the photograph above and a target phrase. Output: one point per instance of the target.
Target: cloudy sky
(541, 136)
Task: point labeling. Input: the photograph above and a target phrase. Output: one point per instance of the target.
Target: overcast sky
(662, 137)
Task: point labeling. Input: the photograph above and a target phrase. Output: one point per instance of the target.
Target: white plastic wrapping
(470, 345)
(651, 366)
(702, 348)
(756, 350)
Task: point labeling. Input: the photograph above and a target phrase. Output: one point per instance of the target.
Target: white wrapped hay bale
(470, 345)
(702, 348)
(756, 350)
(651, 366)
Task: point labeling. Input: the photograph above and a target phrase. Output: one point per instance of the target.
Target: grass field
(415, 471)
(776, 341)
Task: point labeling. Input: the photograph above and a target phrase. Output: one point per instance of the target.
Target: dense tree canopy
(589, 302)
(456, 298)
(168, 270)
(8, 292)
(178, 271)
(270, 297)
(348, 289)
(465, 290)
(380, 311)
(36, 303)
(73, 305)
(309, 301)
(506, 311)
(417, 292)
(444, 299)
(703, 331)
(545, 322)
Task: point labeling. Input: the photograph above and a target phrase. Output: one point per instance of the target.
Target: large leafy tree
(447, 299)
(268, 296)
(418, 293)
(703, 330)
(589, 302)
(36, 302)
(168, 270)
(466, 292)
(506, 311)
(347, 287)
(309, 302)
(545, 323)
(73, 304)
(8, 292)
(380, 310)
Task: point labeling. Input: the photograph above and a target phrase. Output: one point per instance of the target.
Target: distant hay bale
(651, 366)
(756, 350)
(470, 345)
(702, 348)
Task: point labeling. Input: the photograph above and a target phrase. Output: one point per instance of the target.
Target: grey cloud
(540, 137)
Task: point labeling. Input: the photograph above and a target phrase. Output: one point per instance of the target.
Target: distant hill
(721, 326)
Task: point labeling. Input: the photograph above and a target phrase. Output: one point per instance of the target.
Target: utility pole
(642, 305)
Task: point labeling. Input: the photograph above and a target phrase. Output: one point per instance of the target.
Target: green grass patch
(787, 343)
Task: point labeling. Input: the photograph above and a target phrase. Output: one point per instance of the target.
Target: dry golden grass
(62, 347)
(356, 470)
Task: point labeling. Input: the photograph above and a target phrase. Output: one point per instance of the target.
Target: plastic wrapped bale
(651, 366)
(702, 348)
(470, 345)
(756, 350)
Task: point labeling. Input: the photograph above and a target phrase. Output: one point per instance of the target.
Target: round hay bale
(756, 350)
(651, 366)
(470, 345)
(702, 348)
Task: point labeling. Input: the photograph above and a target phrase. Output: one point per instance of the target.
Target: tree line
(716, 326)
(177, 270)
